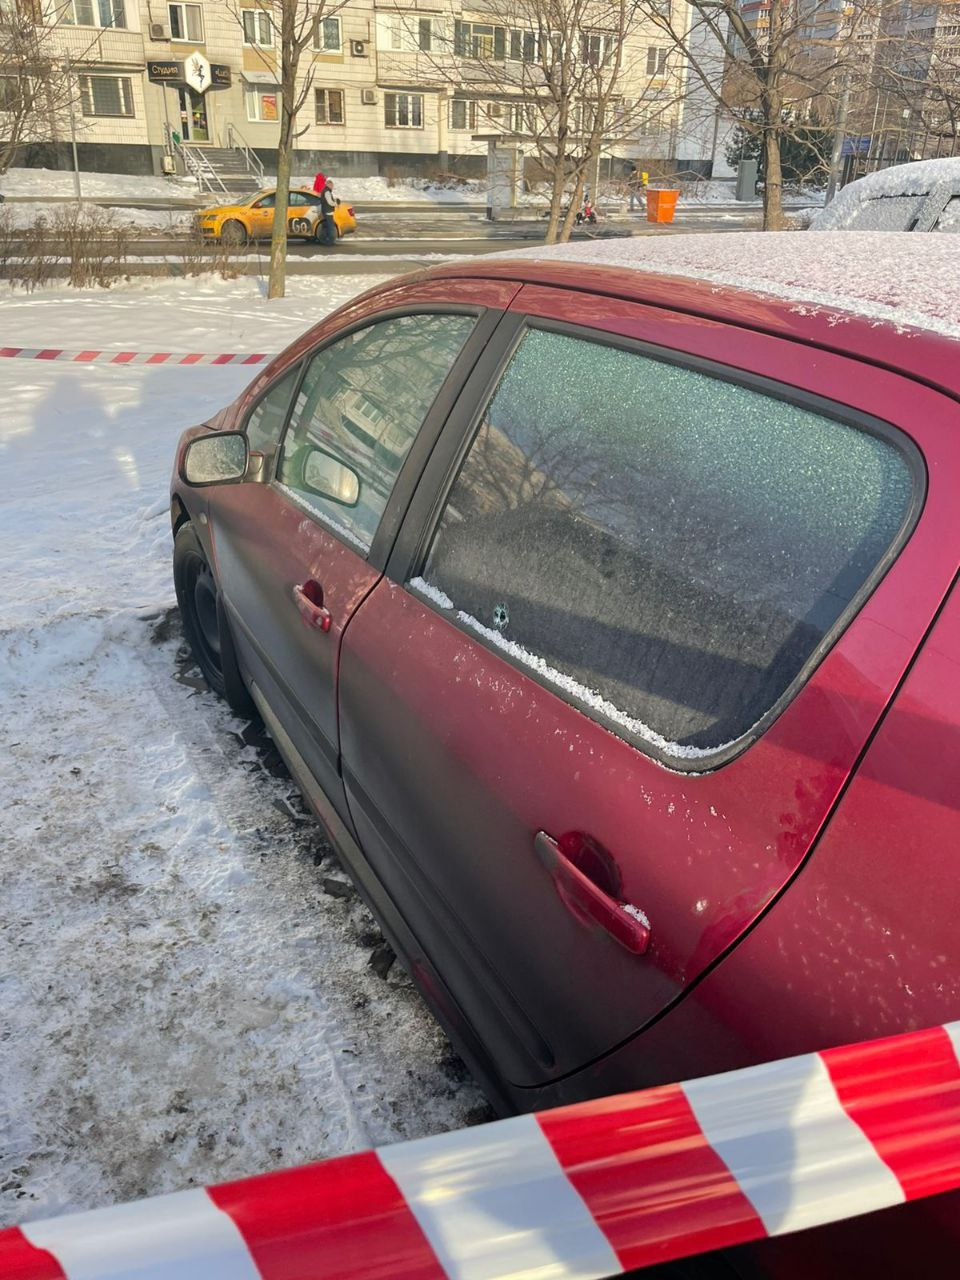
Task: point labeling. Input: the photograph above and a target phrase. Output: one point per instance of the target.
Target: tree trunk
(576, 200)
(290, 57)
(556, 203)
(773, 215)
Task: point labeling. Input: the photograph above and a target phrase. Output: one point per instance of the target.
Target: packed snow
(56, 183)
(187, 975)
(28, 213)
(905, 280)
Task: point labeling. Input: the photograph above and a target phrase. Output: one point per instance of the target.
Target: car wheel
(233, 233)
(205, 624)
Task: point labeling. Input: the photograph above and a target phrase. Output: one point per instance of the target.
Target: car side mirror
(219, 458)
(328, 477)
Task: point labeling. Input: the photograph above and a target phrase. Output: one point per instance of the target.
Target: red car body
(800, 893)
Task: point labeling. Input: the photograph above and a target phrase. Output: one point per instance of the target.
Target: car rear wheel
(204, 620)
(233, 233)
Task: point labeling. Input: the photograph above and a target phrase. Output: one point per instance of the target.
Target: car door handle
(309, 600)
(624, 922)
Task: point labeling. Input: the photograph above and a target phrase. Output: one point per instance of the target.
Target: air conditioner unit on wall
(368, 97)
(358, 48)
(158, 31)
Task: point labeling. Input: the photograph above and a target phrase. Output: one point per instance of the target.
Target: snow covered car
(924, 196)
(602, 602)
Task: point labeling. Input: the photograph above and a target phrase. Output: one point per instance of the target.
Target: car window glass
(950, 217)
(359, 407)
(665, 548)
(265, 423)
(267, 202)
(889, 213)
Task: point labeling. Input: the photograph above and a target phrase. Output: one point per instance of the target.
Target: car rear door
(647, 606)
(294, 563)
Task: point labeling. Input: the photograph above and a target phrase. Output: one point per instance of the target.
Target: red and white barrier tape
(132, 357)
(585, 1191)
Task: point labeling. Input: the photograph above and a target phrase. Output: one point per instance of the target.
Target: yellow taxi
(252, 219)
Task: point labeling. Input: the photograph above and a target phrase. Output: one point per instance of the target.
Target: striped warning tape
(132, 357)
(585, 1191)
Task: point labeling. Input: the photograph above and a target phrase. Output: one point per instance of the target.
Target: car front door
(297, 555)
(261, 215)
(644, 613)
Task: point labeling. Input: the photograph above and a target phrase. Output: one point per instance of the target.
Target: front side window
(360, 405)
(94, 13)
(888, 213)
(265, 422)
(186, 22)
(328, 38)
(328, 106)
(106, 96)
(403, 110)
(665, 549)
(266, 202)
(949, 219)
(257, 27)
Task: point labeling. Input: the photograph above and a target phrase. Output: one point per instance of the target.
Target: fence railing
(254, 164)
(591, 1190)
(196, 164)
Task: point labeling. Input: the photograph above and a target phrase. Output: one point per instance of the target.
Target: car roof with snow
(905, 197)
(890, 299)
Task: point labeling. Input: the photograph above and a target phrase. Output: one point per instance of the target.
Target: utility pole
(838, 138)
(67, 68)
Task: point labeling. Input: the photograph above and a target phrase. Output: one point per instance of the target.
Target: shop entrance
(193, 116)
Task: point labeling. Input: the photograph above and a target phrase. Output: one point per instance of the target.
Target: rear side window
(888, 213)
(266, 421)
(359, 407)
(665, 548)
(950, 217)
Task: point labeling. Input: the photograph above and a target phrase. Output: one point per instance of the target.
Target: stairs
(223, 170)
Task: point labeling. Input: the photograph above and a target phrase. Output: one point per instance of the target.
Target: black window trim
(423, 517)
(448, 395)
(255, 405)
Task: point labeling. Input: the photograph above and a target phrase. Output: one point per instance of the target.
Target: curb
(581, 1192)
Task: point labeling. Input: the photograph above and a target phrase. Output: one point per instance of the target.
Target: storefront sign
(196, 72)
(220, 77)
(161, 72)
(268, 106)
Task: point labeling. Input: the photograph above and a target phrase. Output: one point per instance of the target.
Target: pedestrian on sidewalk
(328, 205)
(637, 184)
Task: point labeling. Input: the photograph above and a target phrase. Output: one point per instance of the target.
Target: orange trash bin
(661, 204)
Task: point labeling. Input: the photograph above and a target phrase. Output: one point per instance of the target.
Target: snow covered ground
(50, 183)
(27, 212)
(184, 972)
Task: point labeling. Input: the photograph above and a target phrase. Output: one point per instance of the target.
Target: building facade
(411, 88)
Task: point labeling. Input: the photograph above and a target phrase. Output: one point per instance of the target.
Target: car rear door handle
(309, 600)
(584, 899)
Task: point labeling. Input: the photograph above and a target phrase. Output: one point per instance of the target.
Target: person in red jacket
(319, 183)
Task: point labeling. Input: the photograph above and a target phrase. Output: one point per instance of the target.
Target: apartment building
(411, 87)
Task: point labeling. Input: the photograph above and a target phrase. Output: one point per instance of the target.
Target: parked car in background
(252, 219)
(923, 196)
(602, 600)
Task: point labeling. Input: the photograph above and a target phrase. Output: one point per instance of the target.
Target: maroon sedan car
(601, 601)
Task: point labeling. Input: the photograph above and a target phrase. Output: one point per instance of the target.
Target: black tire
(204, 622)
(233, 234)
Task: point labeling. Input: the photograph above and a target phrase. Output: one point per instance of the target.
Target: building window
(106, 95)
(328, 106)
(463, 114)
(425, 34)
(403, 110)
(524, 46)
(11, 96)
(328, 38)
(257, 27)
(94, 13)
(595, 49)
(186, 22)
(656, 61)
(523, 118)
(479, 40)
(262, 104)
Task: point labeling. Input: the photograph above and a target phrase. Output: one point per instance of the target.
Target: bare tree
(777, 75)
(295, 27)
(917, 80)
(566, 79)
(37, 97)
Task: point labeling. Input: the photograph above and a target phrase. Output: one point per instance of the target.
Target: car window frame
(486, 321)
(255, 405)
(413, 544)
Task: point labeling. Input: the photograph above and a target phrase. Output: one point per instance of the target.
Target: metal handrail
(196, 164)
(253, 162)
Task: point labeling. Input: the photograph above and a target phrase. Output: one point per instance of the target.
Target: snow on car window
(888, 213)
(672, 545)
(950, 218)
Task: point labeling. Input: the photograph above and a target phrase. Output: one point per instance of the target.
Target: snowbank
(185, 975)
(60, 182)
